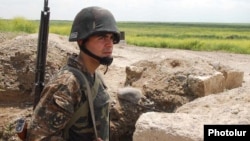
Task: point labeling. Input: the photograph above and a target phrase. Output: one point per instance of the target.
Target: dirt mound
(18, 60)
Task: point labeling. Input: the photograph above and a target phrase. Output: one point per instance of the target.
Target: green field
(191, 36)
(233, 38)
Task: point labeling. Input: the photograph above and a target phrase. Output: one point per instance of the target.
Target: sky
(214, 11)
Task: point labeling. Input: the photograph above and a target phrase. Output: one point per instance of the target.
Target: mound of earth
(160, 74)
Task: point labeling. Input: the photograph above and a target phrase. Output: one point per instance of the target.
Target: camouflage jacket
(60, 98)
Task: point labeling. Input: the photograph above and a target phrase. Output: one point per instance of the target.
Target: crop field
(234, 38)
(190, 36)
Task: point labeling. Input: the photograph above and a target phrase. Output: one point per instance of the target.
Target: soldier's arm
(54, 109)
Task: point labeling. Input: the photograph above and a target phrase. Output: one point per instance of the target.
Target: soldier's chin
(108, 54)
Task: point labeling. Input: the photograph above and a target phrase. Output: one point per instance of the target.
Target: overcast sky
(222, 11)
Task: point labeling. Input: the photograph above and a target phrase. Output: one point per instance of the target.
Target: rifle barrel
(41, 52)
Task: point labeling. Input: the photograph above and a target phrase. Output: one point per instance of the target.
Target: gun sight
(46, 8)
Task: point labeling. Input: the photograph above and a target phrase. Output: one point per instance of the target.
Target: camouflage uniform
(60, 98)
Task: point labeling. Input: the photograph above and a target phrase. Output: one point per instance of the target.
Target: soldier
(95, 31)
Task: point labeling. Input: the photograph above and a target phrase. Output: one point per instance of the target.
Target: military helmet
(93, 20)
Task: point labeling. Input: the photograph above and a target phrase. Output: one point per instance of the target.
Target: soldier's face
(100, 44)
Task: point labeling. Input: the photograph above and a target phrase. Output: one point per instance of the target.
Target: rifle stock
(41, 53)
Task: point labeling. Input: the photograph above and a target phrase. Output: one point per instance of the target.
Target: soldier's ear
(79, 42)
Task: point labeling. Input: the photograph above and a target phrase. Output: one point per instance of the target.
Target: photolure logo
(221, 132)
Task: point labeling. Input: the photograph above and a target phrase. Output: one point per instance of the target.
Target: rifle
(41, 53)
(21, 126)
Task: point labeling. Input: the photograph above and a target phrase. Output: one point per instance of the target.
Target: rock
(187, 123)
(133, 74)
(130, 94)
(233, 79)
(205, 85)
(154, 126)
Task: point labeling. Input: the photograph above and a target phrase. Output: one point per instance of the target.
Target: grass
(190, 36)
(234, 38)
(18, 24)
